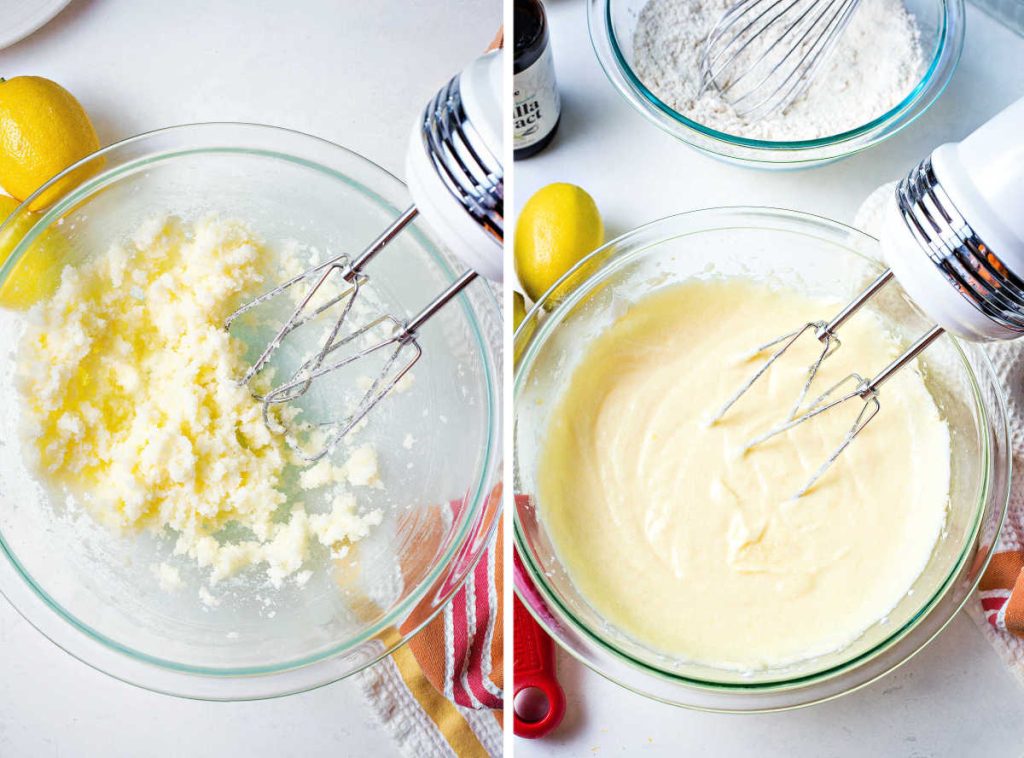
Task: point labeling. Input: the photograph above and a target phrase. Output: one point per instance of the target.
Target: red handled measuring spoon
(533, 667)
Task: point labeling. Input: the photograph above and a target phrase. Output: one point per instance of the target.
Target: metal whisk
(762, 54)
(463, 164)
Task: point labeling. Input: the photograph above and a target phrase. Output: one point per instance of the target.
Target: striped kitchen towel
(442, 693)
(1001, 592)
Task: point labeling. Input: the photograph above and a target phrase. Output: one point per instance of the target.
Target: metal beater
(960, 208)
(457, 183)
(762, 54)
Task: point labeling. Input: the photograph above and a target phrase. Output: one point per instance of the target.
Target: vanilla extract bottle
(536, 105)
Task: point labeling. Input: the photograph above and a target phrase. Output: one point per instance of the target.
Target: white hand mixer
(456, 181)
(954, 239)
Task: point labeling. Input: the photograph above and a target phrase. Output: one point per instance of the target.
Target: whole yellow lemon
(36, 275)
(558, 226)
(43, 130)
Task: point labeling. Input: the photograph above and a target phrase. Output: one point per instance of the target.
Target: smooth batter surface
(698, 550)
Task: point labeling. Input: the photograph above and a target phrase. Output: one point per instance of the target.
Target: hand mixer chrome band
(472, 173)
(474, 176)
(968, 264)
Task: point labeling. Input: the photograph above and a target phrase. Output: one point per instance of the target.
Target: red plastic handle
(534, 666)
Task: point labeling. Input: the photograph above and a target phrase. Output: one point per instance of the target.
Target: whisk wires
(762, 54)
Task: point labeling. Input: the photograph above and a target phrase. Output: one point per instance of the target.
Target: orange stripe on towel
(1004, 571)
(1014, 616)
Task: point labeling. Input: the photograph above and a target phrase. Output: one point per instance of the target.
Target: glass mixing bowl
(817, 256)
(941, 23)
(95, 594)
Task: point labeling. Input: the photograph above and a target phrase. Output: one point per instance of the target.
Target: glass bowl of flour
(894, 59)
(152, 524)
(633, 640)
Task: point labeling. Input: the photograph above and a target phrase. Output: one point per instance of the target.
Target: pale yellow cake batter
(691, 546)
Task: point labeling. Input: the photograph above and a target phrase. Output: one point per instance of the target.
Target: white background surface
(955, 698)
(143, 64)
(357, 73)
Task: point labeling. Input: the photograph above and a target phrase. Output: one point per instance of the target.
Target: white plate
(19, 18)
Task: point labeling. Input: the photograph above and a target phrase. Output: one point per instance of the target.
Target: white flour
(876, 63)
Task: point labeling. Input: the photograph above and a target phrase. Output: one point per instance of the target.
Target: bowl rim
(172, 677)
(931, 85)
(539, 589)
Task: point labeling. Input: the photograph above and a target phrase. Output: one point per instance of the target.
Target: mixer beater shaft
(953, 235)
(865, 389)
(351, 272)
(456, 181)
(401, 336)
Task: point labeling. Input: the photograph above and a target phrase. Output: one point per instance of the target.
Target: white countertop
(956, 698)
(356, 73)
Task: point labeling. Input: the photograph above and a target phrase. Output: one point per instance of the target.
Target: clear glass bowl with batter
(95, 594)
(817, 257)
(941, 24)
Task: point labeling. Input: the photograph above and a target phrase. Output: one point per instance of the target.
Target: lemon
(36, 275)
(518, 309)
(43, 130)
(558, 226)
